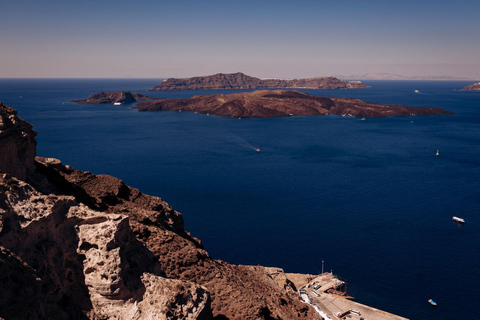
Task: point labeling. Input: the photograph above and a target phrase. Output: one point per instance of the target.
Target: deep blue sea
(370, 198)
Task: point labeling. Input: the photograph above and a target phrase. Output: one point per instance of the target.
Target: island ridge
(229, 81)
(271, 104)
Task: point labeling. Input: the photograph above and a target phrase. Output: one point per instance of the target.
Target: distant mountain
(390, 76)
(230, 81)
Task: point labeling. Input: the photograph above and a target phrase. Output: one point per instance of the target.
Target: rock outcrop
(17, 144)
(113, 97)
(269, 104)
(224, 81)
(473, 87)
(75, 245)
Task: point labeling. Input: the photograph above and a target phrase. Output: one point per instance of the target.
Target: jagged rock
(20, 288)
(229, 81)
(269, 104)
(119, 97)
(17, 143)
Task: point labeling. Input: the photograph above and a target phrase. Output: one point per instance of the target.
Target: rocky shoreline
(270, 104)
(231, 81)
(473, 87)
(75, 245)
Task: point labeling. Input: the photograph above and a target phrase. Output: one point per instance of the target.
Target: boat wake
(239, 141)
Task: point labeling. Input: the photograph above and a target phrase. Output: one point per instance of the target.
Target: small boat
(438, 153)
(117, 103)
(457, 219)
(416, 91)
(258, 150)
(433, 303)
(362, 119)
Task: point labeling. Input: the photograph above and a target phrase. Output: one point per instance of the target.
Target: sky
(287, 39)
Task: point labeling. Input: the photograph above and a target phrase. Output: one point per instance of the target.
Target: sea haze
(369, 197)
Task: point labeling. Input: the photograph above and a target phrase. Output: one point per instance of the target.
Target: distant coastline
(390, 76)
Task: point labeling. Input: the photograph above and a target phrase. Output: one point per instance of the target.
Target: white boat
(258, 150)
(117, 103)
(416, 91)
(457, 219)
(438, 153)
(433, 303)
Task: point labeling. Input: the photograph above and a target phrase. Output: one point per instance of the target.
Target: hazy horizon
(156, 39)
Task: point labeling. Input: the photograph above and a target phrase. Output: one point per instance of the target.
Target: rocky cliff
(268, 104)
(473, 87)
(113, 97)
(224, 81)
(75, 245)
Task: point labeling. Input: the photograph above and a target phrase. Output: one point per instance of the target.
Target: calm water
(368, 197)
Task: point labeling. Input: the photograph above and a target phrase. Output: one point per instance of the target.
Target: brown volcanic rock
(224, 81)
(237, 292)
(270, 104)
(17, 143)
(74, 245)
(473, 87)
(113, 97)
(20, 292)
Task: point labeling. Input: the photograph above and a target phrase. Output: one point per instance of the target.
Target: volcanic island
(284, 103)
(235, 81)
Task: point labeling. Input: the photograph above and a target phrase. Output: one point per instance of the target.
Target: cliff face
(74, 245)
(222, 81)
(17, 143)
(113, 97)
(268, 104)
(473, 87)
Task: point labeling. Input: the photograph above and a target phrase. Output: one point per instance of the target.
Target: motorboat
(457, 219)
(433, 303)
(258, 150)
(117, 103)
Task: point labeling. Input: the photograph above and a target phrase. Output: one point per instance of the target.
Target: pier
(324, 294)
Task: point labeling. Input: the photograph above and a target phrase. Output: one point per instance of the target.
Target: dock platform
(336, 307)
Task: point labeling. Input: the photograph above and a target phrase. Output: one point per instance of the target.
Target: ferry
(117, 103)
(457, 219)
(433, 303)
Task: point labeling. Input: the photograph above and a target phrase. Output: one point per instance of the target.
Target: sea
(367, 199)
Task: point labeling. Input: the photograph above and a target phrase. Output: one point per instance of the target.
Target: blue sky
(261, 38)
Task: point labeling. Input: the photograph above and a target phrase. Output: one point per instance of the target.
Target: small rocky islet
(473, 87)
(117, 97)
